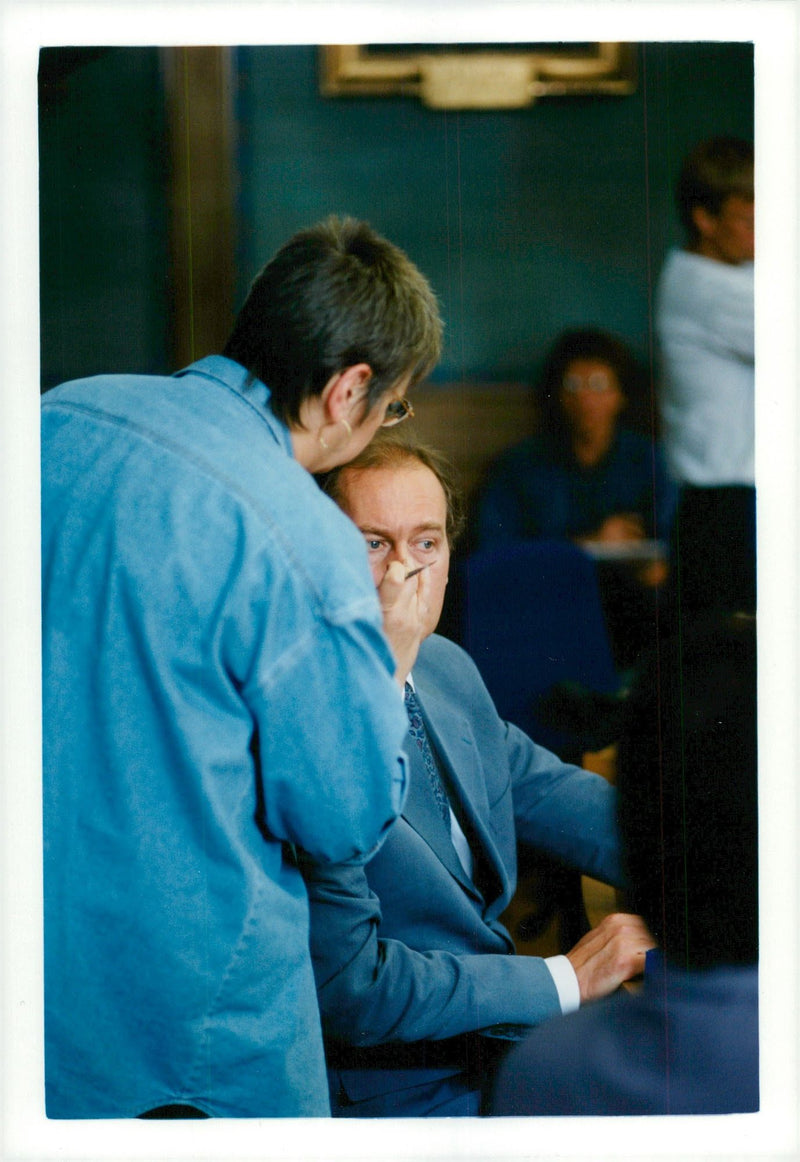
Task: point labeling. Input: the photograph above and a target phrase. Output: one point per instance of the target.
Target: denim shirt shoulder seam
(221, 478)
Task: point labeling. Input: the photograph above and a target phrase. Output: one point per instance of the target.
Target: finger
(395, 573)
(391, 585)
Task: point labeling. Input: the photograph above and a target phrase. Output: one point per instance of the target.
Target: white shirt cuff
(566, 982)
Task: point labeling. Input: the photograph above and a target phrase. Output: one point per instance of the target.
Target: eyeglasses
(597, 381)
(397, 411)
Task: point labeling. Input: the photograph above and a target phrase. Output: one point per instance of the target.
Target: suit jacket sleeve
(373, 990)
(441, 963)
(563, 810)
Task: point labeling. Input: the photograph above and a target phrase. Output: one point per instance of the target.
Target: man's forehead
(386, 498)
(387, 528)
(411, 480)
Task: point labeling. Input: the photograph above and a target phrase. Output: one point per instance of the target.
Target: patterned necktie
(420, 735)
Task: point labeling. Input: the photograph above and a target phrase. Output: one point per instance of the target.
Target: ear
(704, 223)
(344, 390)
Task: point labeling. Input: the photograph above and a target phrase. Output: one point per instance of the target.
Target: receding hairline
(391, 453)
(410, 461)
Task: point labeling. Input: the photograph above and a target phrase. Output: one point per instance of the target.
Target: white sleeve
(731, 310)
(566, 982)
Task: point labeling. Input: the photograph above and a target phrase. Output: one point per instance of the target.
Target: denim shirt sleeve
(326, 786)
(299, 644)
(216, 689)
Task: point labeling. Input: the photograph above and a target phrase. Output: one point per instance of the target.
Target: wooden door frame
(199, 94)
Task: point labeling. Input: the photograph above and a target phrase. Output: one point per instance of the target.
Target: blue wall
(103, 213)
(525, 221)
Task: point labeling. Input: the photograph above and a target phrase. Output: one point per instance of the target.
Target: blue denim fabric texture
(217, 691)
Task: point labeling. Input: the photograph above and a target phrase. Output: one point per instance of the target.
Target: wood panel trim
(473, 423)
(198, 87)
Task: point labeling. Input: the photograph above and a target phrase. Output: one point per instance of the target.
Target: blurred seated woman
(585, 477)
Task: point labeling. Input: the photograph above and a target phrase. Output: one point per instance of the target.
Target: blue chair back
(532, 618)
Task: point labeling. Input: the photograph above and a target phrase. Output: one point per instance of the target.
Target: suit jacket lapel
(451, 734)
(421, 813)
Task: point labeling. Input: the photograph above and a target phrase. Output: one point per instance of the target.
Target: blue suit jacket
(686, 1044)
(409, 949)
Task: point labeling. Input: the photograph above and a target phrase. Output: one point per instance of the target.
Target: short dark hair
(715, 170)
(335, 295)
(687, 783)
(395, 450)
(582, 343)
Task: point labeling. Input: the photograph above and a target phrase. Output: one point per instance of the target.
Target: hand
(404, 603)
(621, 526)
(611, 953)
(653, 574)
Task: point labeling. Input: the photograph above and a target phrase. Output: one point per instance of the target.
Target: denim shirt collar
(250, 390)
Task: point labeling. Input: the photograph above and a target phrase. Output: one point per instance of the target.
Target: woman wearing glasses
(585, 477)
(217, 688)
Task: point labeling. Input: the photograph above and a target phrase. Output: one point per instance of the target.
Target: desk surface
(646, 550)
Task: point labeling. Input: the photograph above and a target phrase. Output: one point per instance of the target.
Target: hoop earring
(323, 443)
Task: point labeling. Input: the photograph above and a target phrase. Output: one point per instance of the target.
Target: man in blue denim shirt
(217, 689)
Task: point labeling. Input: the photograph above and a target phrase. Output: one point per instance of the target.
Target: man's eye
(427, 545)
(373, 545)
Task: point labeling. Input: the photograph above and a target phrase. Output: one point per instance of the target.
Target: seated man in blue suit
(419, 987)
(687, 1042)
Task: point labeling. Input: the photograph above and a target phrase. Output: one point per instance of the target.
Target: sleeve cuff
(566, 982)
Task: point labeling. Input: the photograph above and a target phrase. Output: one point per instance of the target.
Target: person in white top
(706, 332)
